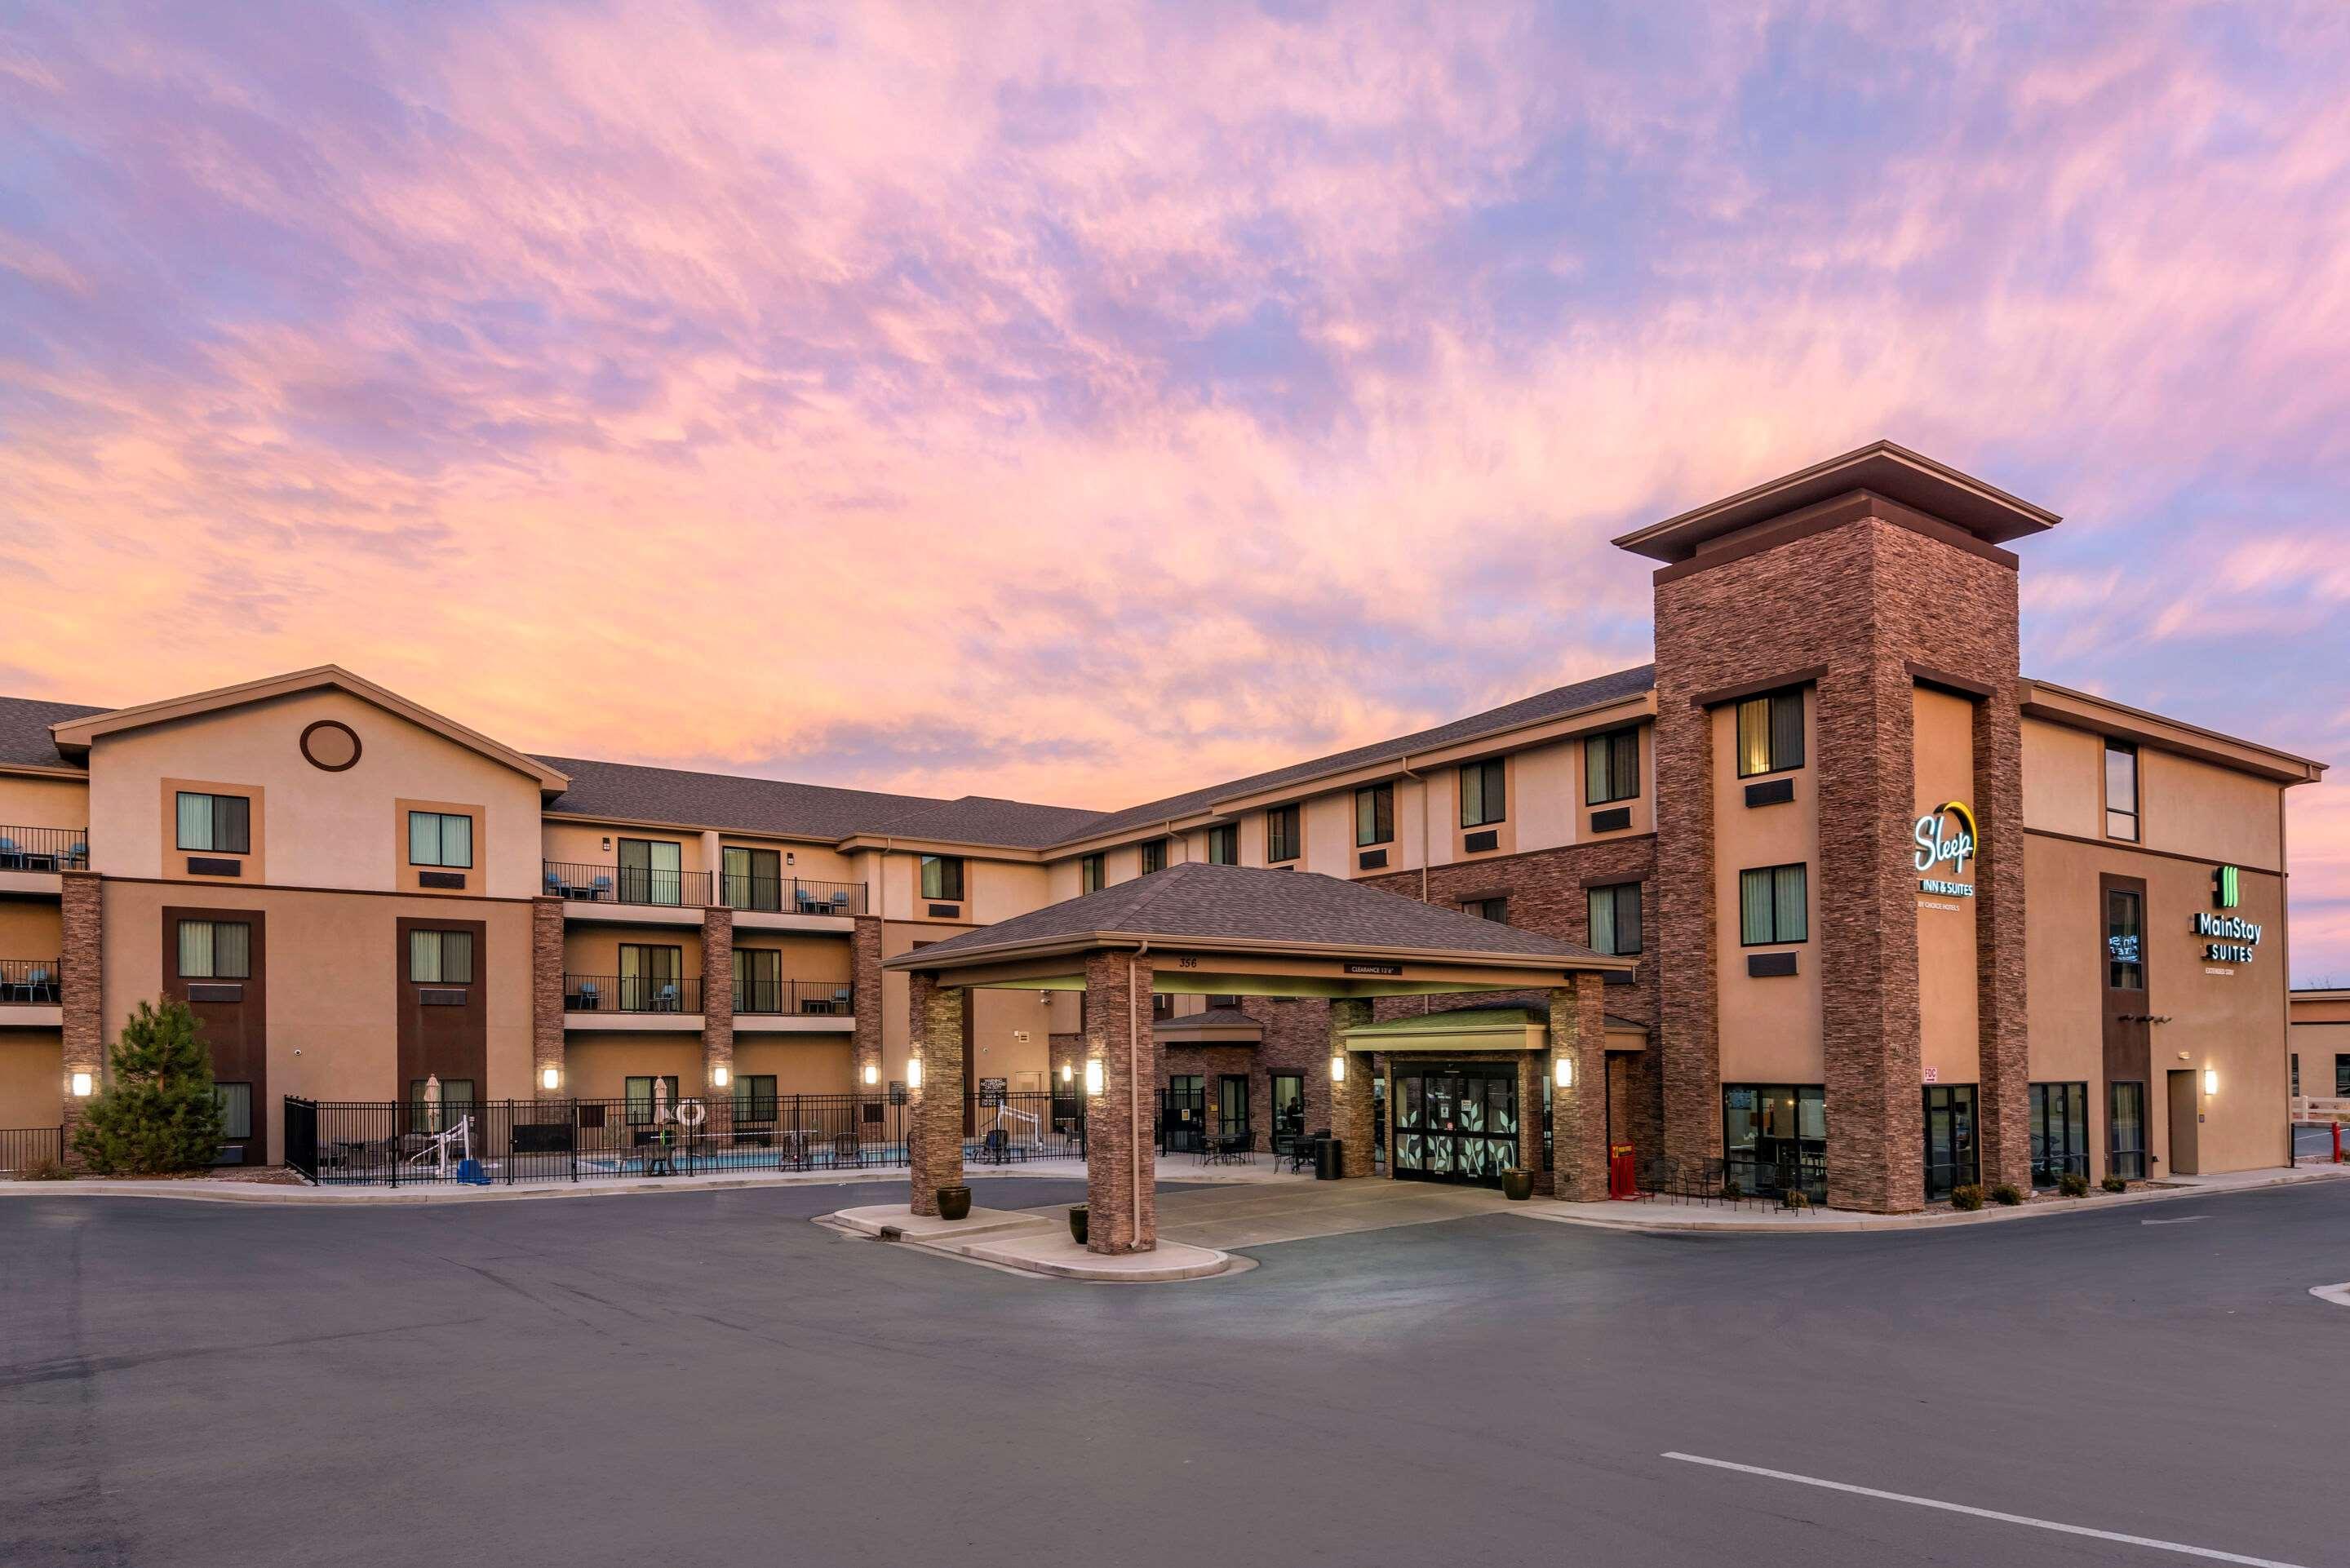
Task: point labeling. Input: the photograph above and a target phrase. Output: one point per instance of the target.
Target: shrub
(1794, 1197)
(44, 1168)
(159, 1115)
(1968, 1196)
(2073, 1184)
(2006, 1193)
(2115, 1184)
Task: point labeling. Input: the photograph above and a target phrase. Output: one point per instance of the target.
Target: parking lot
(704, 1375)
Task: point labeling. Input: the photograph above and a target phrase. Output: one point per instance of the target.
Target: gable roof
(1246, 905)
(988, 819)
(25, 739)
(634, 792)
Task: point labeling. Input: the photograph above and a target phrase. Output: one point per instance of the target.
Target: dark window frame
(759, 885)
(1093, 872)
(1612, 762)
(1803, 869)
(648, 879)
(1284, 833)
(1154, 855)
(1782, 732)
(1225, 835)
(229, 1132)
(1493, 775)
(948, 890)
(2128, 1163)
(1380, 798)
(442, 942)
(441, 838)
(2043, 1102)
(1805, 1148)
(2134, 811)
(630, 1101)
(751, 1103)
(1615, 891)
(180, 949)
(1483, 909)
(236, 823)
(2117, 899)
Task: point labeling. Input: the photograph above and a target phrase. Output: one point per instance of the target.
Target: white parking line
(2203, 1552)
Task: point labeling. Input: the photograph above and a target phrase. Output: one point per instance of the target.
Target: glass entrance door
(1232, 1108)
(1949, 1138)
(1456, 1122)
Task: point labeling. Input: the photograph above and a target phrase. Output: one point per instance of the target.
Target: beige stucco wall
(31, 929)
(594, 948)
(801, 1064)
(2186, 805)
(997, 1015)
(32, 1077)
(29, 801)
(2064, 780)
(2317, 1044)
(1943, 761)
(1771, 1027)
(597, 1066)
(323, 829)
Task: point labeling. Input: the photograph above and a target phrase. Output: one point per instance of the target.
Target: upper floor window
(1484, 797)
(942, 877)
(751, 879)
(652, 871)
(1494, 910)
(215, 949)
(2125, 939)
(1284, 833)
(1225, 844)
(440, 957)
(1093, 873)
(1224, 999)
(1773, 906)
(1374, 815)
(1162, 1006)
(439, 838)
(216, 824)
(1616, 920)
(1154, 855)
(1771, 733)
(2121, 791)
(1611, 767)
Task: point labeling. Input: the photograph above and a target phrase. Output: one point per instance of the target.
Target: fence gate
(302, 1136)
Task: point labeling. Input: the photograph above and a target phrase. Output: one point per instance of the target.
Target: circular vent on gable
(330, 745)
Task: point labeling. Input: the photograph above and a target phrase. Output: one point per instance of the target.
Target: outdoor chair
(11, 857)
(666, 1001)
(809, 902)
(845, 1149)
(78, 855)
(840, 998)
(1301, 1149)
(601, 889)
(37, 985)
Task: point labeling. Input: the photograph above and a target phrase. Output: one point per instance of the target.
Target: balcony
(630, 993)
(791, 895)
(43, 848)
(584, 884)
(796, 997)
(30, 982)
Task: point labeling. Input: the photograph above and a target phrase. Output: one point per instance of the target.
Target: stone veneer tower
(1861, 577)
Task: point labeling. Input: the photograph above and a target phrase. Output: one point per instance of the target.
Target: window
(1285, 835)
(1374, 815)
(755, 1097)
(439, 838)
(1616, 920)
(1224, 1000)
(1774, 1137)
(2060, 1132)
(2124, 937)
(1771, 733)
(1154, 855)
(651, 872)
(1162, 1007)
(1289, 1104)
(650, 978)
(2296, 1075)
(440, 957)
(2125, 1131)
(1093, 874)
(751, 879)
(1951, 1148)
(235, 1108)
(216, 824)
(455, 1095)
(758, 980)
(1611, 767)
(942, 877)
(1225, 844)
(2121, 791)
(1483, 796)
(639, 1093)
(215, 949)
(2342, 1077)
(1494, 910)
(1773, 906)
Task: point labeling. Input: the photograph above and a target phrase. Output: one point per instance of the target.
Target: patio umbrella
(660, 1101)
(432, 1103)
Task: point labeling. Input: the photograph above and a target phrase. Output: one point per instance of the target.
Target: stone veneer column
(1531, 1069)
(546, 998)
(1578, 1031)
(82, 990)
(934, 1138)
(1121, 1163)
(865, 976)
(717, 995)
(2004, 1100)
(1351, 1097)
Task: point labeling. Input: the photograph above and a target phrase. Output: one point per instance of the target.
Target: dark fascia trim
(2127, 848)
(1618, 879)
(1822, 516)
(1956, 685)
(1808, 676)
(1481, 893)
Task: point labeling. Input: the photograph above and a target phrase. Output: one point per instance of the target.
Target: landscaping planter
(1077, 1223)
(1517, 1186)
(954, 1202)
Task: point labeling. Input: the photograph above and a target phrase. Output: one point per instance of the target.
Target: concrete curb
(1014, 1239)
(1833, 1222)
(2339, 1294)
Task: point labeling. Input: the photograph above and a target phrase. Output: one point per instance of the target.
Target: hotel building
(1878, 914)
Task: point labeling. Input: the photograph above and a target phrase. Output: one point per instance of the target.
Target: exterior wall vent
(1771, 791)
(1614, 820)
(1477, 842)
(456, 880)
(206, 865)
(199, 990)
(1372, 861)
(1764, 966)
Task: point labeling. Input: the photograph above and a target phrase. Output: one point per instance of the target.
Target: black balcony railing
(27, 1149)
(627, 884)
(30, 980)
(631, 993)
(43, 848)
(791, 895)
(801, 997)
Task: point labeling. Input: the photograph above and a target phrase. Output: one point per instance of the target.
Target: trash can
(1327, 1153)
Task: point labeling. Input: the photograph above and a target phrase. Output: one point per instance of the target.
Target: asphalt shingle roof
(723, 800)
(24, 738)
(1244, 903)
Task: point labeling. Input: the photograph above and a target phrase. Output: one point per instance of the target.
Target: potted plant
(954, 1202)
(1517, 1184)
(1077, 1223)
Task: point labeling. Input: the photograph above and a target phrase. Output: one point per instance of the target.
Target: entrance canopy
(1484, 1027)
(1211, 930)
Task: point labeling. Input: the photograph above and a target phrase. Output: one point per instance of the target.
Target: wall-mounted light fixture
(913, 1072)
(1067, 1072)
(82, 1085)
(1338, 1069)
(1562, 1071)
(719, 1075)
(608, 843)
(872, 1073)
(549, 1077)
(1094, 1076)
(2210, 1080)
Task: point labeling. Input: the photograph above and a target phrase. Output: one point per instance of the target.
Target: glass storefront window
(2060, 1132)
(1775, 1137)
(1951, 1152)
(2125, 1132)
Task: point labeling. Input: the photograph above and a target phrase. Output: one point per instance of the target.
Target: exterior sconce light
(872, 1073)
(913, 1072)
(718, 1076)
(2210, 1080)
(549, 1077)
(1338, 1069)
(1562, 1071)
(1094, 1076)
(1067, 1072)
(82, 1085)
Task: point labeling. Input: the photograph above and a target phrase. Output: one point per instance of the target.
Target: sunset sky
(1080, 403)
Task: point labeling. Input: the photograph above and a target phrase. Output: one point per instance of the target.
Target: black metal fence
(43, 848)
(804, 998)
(591, 884)
(792, 895)
(631, 993)
(33, 980)
(22, 1149)
(1744, 1179)
(502, 1142)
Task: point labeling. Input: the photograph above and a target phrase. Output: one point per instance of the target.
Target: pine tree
(159, 1115)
